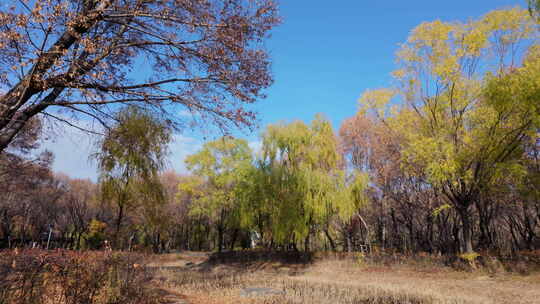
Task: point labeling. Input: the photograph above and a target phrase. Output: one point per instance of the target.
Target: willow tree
(458, 130)
(218, 165)
(130, 158)
(302, 184)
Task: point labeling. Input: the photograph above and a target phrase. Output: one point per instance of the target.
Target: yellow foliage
(469, 257)
(463, 100)
(376, 101)
(96, 226)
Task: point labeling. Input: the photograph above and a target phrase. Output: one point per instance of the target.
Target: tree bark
(119, 219)
(465, 216)
(332, 243)
(306, 243)
(220, 238)
(233, 238)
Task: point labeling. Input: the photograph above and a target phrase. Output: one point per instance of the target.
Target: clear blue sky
(325, 54)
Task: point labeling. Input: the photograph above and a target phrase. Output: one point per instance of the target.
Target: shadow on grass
(261, 256)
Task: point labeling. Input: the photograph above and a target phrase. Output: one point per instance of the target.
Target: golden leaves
(376, 101)
(399, 74)
(516, 22)
(449, 51)
(473, 40)
(463, 99)
(430, 33)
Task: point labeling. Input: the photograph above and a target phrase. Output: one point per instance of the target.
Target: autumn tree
(163, 223)
(130, 158)
(63, 59)
(77, 203)
(367, 146)
(198, 226)
(217, 166)
(299, 184)
(459, 129)
(24, 176)
(402, 213)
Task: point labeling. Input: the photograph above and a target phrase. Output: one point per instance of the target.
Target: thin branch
(70, 124)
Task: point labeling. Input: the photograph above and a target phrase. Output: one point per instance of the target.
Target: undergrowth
(70, 277)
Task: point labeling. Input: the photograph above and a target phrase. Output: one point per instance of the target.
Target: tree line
(444, 160)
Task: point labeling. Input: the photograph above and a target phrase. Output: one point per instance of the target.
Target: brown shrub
(69, 277)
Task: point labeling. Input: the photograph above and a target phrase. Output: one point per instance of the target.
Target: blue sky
(325, 54)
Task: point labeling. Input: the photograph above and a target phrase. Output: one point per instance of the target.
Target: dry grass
(332, 280)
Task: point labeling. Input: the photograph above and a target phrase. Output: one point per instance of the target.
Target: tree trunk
(383, 226)
(465, 215)
(347, 237)
(456, 248)
(485, 217)
(233, 238)
(306, 242)
(429, 220)
(394, 227)
(78, 245)
(220, 238)
(332, 243)
(119, 219)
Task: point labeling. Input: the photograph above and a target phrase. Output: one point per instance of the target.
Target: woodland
(445, 160)
(429, 192)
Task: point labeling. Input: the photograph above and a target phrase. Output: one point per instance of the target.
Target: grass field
(192, 278)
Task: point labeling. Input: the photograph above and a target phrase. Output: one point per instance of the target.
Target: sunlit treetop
(465, 95)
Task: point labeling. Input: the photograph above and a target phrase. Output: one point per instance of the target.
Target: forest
(442, 161)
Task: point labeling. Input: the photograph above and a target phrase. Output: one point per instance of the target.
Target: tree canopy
(217, 167)
(465, 103)
(65, 58)
(299, 184)
(130, 158)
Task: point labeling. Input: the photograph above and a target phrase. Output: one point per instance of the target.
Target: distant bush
(95, 236)
(69, 277)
